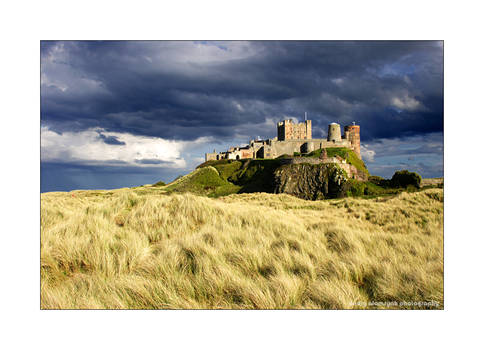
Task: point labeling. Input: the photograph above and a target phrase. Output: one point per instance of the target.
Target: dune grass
(143, 248)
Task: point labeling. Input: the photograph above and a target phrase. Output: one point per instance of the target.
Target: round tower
(353, 132)
(334, 132)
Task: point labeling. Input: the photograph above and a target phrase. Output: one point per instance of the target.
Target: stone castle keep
(293, 138)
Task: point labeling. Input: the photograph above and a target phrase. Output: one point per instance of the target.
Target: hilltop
(303, 176)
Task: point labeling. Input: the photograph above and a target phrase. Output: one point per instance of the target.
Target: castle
(293, 138)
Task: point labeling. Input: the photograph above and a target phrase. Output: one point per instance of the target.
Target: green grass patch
(256, 175)
(206, 180)
(227, 169)
(225, 190)
(246, 175)
(369, 189)
(344, 153)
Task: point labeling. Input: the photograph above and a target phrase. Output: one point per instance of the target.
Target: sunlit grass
(141, 248)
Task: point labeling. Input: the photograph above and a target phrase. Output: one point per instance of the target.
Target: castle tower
(309, 135)
(353, 132)
(283, 129)
(334, 132)
(287, 130)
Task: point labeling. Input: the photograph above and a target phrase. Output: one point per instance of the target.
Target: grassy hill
(151, 247)
(224, 177)
(344, 153)
(207, 180)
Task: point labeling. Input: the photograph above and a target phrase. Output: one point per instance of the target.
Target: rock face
(351, 171)
(311, 181)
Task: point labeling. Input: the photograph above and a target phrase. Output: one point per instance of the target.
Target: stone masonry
(293, 138)
(286, 130)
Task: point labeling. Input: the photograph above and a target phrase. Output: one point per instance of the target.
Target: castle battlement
(291, 138)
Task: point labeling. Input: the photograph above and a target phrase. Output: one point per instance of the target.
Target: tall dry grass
(142, 249)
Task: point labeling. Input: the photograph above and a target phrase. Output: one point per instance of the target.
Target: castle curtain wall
(293, 138)
(304, 146)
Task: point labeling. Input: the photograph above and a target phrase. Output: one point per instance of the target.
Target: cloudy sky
(117, 114)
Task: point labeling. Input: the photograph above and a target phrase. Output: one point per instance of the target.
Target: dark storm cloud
(111, 140)
(183, 90)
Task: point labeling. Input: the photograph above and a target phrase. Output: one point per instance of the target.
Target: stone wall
(244, 153)
(301, 160)
(210, 156)
(286, 147)
(322, 143)
(352, 172)
(304, 146)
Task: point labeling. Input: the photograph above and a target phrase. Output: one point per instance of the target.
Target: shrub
(159, 183)
(375, 179)
(379, 181)
(372, 189)
(355, 188)
(404, 178)
(337, 182)
(358, 189)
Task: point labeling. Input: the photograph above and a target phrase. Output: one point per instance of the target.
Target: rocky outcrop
(311, 181)
(351, 171)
